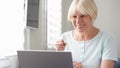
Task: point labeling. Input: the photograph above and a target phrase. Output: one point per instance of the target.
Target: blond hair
(83, 6)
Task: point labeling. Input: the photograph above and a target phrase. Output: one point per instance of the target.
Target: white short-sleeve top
(90, 53)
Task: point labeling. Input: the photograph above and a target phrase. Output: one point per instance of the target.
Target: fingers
(60, 45)
(61, 42)
(77, 65)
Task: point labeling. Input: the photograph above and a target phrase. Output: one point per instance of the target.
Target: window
(54, 14)
(11, 26)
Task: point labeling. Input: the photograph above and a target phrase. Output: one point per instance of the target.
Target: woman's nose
(78, 20)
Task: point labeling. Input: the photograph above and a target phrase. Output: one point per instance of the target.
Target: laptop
(44, 59)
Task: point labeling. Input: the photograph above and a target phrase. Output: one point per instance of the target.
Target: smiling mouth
(81, 26)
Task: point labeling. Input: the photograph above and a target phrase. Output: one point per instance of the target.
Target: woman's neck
(86, 35)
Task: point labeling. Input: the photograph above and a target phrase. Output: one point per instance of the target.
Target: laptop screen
(44, 59)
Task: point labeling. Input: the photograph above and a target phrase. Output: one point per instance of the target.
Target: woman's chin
(81, 30)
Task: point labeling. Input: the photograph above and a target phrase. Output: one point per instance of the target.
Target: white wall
(65, 24)
(109, 17)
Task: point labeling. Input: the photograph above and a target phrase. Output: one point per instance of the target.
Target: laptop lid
(44, 59)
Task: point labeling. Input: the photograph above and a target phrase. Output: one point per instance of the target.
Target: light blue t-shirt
(90, 53)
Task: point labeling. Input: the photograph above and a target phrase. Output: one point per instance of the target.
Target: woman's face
(81, 23)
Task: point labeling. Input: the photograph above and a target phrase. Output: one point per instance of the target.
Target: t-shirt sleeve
(110, 48)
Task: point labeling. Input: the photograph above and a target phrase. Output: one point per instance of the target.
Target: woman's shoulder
(106, 34)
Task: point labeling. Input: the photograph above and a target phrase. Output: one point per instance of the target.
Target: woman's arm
(107, 64)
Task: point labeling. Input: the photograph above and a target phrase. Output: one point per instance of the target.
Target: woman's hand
(60, 45)
(77, 65)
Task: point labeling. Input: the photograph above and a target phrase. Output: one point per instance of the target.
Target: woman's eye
(82, 15)
(74, 16)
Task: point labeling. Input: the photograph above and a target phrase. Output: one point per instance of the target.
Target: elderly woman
(90, 47)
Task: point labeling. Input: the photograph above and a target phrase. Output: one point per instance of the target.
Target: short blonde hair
(85, 7)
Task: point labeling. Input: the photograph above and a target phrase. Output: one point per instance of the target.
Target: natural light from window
(11, 26)
(53, 21)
